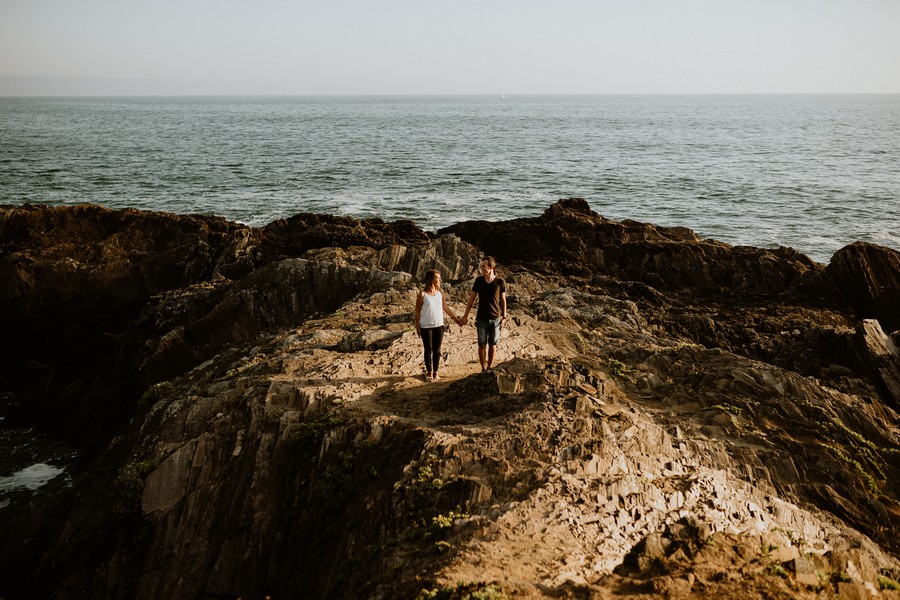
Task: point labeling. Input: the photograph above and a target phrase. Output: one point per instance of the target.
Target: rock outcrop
(572, 239)
(669, 416)
(868, 278)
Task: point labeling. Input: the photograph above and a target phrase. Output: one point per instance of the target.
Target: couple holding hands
(489, 318)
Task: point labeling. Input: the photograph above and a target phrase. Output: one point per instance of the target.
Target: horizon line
(442, 95)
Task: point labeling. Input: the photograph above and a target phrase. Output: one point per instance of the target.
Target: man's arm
(447, 310)
(472, 295)
(503, 308)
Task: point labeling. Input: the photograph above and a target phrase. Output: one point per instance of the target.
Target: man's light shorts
(488, 331)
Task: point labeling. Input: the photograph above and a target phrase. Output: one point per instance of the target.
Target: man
(491, 316)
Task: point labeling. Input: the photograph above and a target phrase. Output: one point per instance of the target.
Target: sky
(309, 47)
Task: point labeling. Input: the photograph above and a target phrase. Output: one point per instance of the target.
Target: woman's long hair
(430, 276)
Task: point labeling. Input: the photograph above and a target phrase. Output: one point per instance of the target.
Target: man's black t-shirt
(489, 306)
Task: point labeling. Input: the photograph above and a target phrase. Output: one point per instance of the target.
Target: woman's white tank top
(432, 312)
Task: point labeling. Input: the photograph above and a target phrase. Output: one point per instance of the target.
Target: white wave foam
(29, 478)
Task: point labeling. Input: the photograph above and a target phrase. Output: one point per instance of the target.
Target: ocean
(814, 172)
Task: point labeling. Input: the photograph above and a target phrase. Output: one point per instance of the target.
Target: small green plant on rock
(620, 370)
(155, 393)
(442, 522)
(464, 591)
(823, 582)
(128, 486)
(438, 527)
(425, 476)
(840, 577)
(886, 583)
(687, 346)
(867, 478)
(777, 570)
(728, 408)
(311, 432)
(581, 343)
(422, 484)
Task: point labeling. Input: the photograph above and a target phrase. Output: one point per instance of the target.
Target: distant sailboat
(503, 96)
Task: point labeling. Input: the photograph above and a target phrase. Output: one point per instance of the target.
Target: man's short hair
(490, 261)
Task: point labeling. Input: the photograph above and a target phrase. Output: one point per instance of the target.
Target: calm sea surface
(812, 172)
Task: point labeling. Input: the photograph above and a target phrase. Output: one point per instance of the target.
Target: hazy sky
(448, 47)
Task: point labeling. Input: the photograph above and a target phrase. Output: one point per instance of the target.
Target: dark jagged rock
(292, 237)
(882, 358)
(570, 238)
(867, 277)
(71, 282)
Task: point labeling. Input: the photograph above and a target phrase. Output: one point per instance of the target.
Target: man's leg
(482, 350)
(493, 339)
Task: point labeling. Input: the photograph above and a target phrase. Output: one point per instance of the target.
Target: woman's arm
(447, 310)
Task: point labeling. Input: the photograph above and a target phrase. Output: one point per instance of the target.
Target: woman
(430, 308)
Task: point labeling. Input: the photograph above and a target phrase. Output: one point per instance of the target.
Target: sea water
(814, 172)
(30, 463)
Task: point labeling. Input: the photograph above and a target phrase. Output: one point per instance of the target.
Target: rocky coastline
(669, 416)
